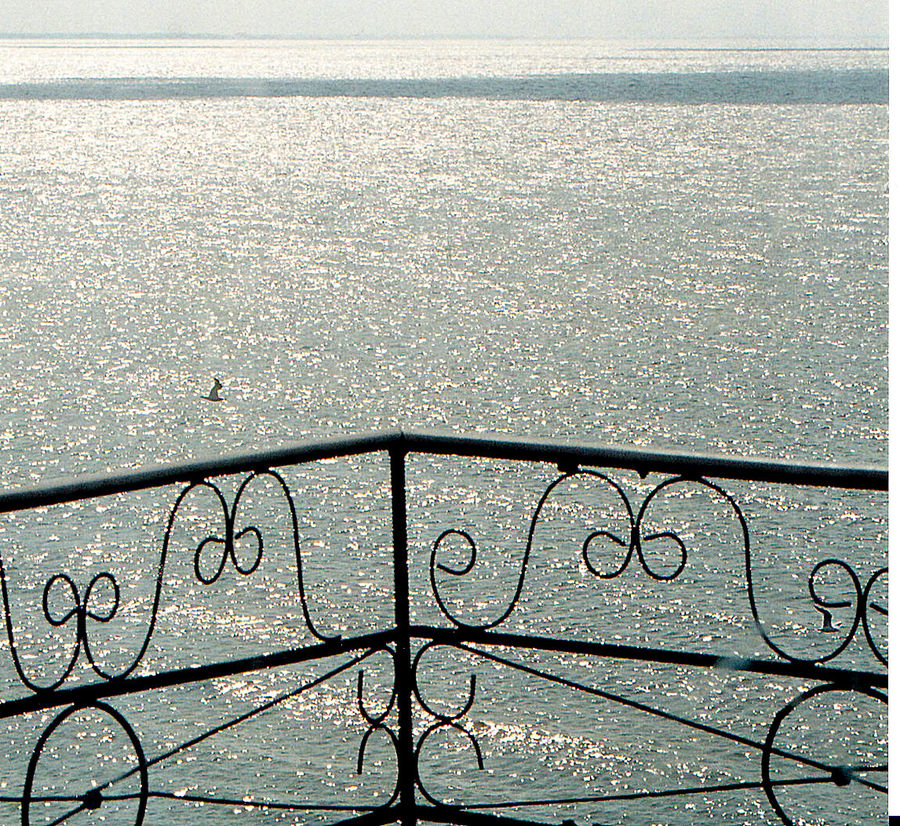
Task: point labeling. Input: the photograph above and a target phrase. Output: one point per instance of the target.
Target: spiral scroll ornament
(862, 608)
(64, 606)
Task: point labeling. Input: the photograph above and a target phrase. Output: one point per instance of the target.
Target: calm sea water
(625, 245)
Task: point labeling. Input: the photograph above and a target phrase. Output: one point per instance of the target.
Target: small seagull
(214, 393)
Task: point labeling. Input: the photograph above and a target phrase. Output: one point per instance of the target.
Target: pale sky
(848, 22)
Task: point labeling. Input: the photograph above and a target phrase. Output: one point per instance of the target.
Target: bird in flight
(214, 393)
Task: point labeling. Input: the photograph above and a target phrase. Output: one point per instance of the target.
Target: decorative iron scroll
(378, 721)
(408, 715)
(81, 612)
(442, 720)
(632, 546)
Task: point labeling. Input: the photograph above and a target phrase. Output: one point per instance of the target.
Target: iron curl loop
(58, 621)
(586, 557)
(473, 553)
(826, 606)
(434, 565)
(361, 755)
(443, 724)
(640, 538)
(878, 609)
(592, 537)
(257, 558)
(103, 577)
(376, 719)
(440, 715)
(682, 558)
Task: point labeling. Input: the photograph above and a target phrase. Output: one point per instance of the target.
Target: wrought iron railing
(790, 727)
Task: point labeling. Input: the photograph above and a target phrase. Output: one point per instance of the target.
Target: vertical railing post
(406, 757)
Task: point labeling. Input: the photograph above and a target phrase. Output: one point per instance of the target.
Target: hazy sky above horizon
(862, 22)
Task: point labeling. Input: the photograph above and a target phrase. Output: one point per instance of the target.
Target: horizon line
(678, 44)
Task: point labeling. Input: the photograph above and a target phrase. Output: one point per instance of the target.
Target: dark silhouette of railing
(409, 718)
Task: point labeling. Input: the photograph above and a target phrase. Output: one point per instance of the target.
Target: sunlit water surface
(709, 277)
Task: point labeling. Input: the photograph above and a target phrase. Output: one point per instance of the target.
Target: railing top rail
(106, 484)
(565, 454)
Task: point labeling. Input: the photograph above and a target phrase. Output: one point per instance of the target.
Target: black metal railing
(827, 659)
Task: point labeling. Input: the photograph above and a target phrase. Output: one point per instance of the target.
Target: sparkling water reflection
(703, 276)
